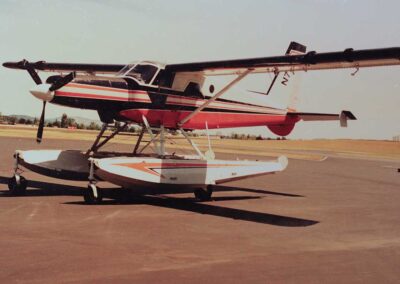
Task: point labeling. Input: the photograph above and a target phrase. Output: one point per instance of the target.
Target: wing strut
(272, 83)
(192, 144)
(97, 144)
(216, 96)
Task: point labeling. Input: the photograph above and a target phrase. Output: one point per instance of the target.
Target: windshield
(143, 72)
(124, 70)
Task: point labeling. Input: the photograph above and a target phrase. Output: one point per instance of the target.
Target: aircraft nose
(42, 92)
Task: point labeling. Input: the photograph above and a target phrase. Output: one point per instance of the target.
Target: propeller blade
(41, 125)
(34, 75)
(25, 64)
(62, 81)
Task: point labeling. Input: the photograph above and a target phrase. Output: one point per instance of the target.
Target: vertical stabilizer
(296, 48)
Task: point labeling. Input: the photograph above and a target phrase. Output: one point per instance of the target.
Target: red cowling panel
(281, 130)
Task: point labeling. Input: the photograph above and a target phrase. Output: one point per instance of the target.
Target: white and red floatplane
(163, 97)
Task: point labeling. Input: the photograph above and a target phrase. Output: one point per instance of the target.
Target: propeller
(34, 75)
(39, 133)
(44, 92)
(38, 81)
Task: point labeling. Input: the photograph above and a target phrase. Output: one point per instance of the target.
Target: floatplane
(164, 97)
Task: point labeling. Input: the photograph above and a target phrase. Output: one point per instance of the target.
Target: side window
(164, 79)
(193, 90)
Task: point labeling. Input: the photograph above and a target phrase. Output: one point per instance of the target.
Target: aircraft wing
(312, 60)
(65, 67)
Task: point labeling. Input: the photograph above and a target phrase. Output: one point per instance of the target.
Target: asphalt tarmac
(336, 221)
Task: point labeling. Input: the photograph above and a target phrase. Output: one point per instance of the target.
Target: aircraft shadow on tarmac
(190, 204)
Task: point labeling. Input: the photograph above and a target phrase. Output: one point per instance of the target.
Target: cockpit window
(124, 70)
(142, 72)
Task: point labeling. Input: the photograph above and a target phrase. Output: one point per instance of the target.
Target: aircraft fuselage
(161, 106)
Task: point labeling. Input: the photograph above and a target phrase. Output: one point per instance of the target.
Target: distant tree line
(249, 137)
(64, 122)
(68, 122)
(4, 119)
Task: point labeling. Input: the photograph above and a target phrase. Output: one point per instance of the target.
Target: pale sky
(186, 31)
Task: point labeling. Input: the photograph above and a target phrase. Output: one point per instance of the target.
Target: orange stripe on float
(147, 167)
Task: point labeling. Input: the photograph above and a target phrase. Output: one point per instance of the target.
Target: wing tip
(9, 64)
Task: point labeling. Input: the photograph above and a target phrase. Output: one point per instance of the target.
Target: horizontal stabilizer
(344, 116)
(308, 116)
